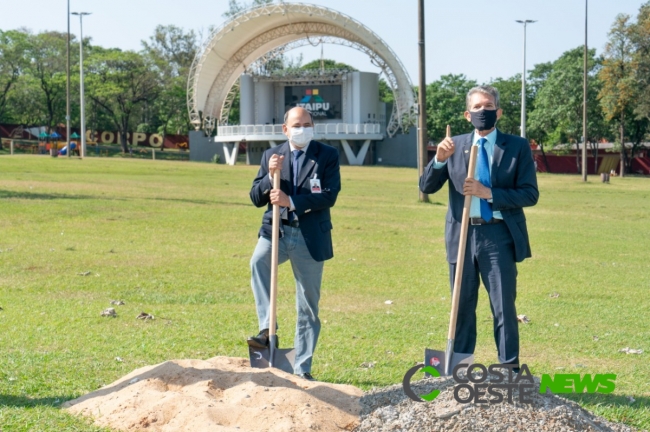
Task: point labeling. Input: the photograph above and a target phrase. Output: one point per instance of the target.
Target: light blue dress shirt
(475, 208)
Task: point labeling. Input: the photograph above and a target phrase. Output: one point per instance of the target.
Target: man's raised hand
(446, 148)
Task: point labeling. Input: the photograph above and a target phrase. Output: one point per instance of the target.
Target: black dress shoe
(306, 376)
(261, 340)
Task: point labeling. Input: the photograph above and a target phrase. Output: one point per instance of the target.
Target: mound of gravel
(389, 409)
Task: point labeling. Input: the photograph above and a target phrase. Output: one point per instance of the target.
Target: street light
(423, 138)
(584, 108)
(67, 87)
(81, 76)
(523, 81)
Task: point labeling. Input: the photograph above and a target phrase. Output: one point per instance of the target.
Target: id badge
(315, 185)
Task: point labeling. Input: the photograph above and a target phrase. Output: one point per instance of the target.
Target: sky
(478, 38)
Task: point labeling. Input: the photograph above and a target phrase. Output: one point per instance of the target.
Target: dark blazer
(514, 186)
(312, 209)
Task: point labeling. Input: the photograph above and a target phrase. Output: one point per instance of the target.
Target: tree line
(143, 91)
(146, 91)
(618, 96)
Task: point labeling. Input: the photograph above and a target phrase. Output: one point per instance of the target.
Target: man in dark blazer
(310, 182)
(504, 183)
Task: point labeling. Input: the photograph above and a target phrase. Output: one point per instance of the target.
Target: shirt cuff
(438, 165)
(292, 208)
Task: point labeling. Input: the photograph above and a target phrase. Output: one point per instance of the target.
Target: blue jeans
(308, 274)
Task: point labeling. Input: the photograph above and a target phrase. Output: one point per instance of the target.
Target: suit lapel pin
(466, 151)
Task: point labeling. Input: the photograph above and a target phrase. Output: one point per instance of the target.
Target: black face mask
(483, 119)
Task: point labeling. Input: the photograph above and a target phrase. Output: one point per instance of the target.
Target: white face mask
(300, 136)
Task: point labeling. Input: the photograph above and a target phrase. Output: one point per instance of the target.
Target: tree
(170, 51)
(640, 35)
(510, 95)
(13, 44)
(557, 114)
(119, 83)
(619, 92)
(386, 94)
(638, 123)
(274, 62)
(536, 78)
(47, 64)
(26, 105)
(446, 105)
(235, 7)
(327, 64)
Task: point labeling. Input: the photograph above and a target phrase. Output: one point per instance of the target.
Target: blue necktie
(296, 170)
(484, 177)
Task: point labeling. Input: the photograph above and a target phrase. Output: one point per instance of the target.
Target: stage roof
(255, 32)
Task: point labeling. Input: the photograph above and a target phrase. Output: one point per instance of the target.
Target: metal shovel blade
(283, 359)
(437, 359)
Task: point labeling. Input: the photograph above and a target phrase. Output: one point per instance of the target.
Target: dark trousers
(489, 255)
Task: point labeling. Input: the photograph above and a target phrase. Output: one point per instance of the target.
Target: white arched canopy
(255, 32)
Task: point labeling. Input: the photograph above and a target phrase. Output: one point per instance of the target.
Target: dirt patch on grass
(219, 394)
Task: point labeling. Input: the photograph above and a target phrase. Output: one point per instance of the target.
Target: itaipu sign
(322, 101)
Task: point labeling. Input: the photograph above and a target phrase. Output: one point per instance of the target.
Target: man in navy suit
(504, 183)
(310, 182)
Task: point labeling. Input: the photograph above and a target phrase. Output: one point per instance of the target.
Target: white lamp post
(67, 87)
(523, 82)
(81, 88)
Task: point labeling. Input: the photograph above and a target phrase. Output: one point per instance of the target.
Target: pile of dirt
(219, 394)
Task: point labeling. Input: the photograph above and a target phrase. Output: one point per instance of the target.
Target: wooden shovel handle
(461, 248)
(275, 238)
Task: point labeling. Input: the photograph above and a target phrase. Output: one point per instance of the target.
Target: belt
(481, 221)
(293, 224)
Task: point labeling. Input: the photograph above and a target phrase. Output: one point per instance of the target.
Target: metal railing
(319, 129)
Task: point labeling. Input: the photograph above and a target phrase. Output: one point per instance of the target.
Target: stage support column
(360, 157)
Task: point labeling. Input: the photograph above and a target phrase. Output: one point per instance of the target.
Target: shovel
(271, 356)
(445, 361)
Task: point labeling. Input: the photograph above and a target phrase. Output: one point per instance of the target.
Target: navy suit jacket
(312, 209)
(514, 186)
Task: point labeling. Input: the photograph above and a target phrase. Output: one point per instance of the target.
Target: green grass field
(174, 239)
